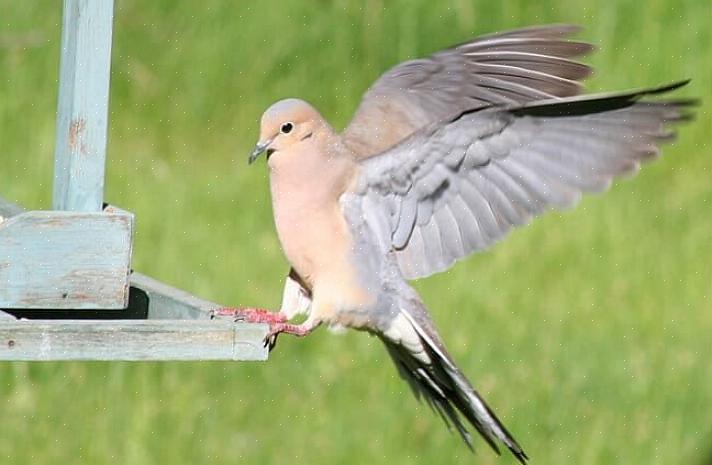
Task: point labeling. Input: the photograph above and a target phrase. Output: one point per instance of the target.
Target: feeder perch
(67, 291)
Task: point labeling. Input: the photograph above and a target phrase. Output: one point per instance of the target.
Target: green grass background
(590, 332)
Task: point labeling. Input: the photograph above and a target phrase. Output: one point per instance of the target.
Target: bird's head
(284, 126)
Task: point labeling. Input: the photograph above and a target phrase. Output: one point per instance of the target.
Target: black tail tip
(521, 456)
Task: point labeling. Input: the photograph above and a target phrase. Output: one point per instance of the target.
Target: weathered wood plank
(82, 110)
(63, 260)
(131, 340)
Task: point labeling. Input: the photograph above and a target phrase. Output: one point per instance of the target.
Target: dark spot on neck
(307, 136)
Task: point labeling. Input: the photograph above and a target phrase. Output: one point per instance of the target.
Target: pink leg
(251, 315)
(286, 328)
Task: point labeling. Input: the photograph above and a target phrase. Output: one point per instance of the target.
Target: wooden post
(82, 110)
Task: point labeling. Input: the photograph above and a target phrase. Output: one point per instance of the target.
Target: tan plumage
(443, 157)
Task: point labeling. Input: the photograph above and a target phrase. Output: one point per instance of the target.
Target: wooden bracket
(65, 259)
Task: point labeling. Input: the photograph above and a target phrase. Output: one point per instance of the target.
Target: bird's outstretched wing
(512, 67)
(455, 188)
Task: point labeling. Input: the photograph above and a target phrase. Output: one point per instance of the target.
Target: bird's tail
(423, 362)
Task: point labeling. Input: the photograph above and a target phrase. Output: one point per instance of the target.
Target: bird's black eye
(286, 128)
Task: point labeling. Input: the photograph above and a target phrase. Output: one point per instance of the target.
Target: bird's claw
(275, 329)
(277, 321)
(270, 341)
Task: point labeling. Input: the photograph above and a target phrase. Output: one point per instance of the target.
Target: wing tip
(597, 103)
(668, 87)
(543, 30)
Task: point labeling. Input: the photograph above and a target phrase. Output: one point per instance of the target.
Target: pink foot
(286, 328)
(251, 315)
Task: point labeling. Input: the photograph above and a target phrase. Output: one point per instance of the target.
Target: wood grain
(62, 259)
(82, 109)
(131, 340)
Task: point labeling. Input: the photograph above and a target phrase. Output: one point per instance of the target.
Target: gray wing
(513, 67)
(456, 188)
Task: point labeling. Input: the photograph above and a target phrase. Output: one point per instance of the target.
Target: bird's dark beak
(259, 148)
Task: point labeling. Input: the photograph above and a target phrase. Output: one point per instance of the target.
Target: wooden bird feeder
(67, 291)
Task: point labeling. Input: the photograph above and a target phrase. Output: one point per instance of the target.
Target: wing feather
(509, 68)
(461, 185)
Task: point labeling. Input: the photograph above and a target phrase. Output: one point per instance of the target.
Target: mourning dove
(443, 157)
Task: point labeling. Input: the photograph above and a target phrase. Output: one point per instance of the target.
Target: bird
(444, 156)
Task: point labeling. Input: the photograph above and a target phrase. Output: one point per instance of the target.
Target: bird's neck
(313, 174)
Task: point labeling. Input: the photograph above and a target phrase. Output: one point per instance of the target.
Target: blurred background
(590, 332)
